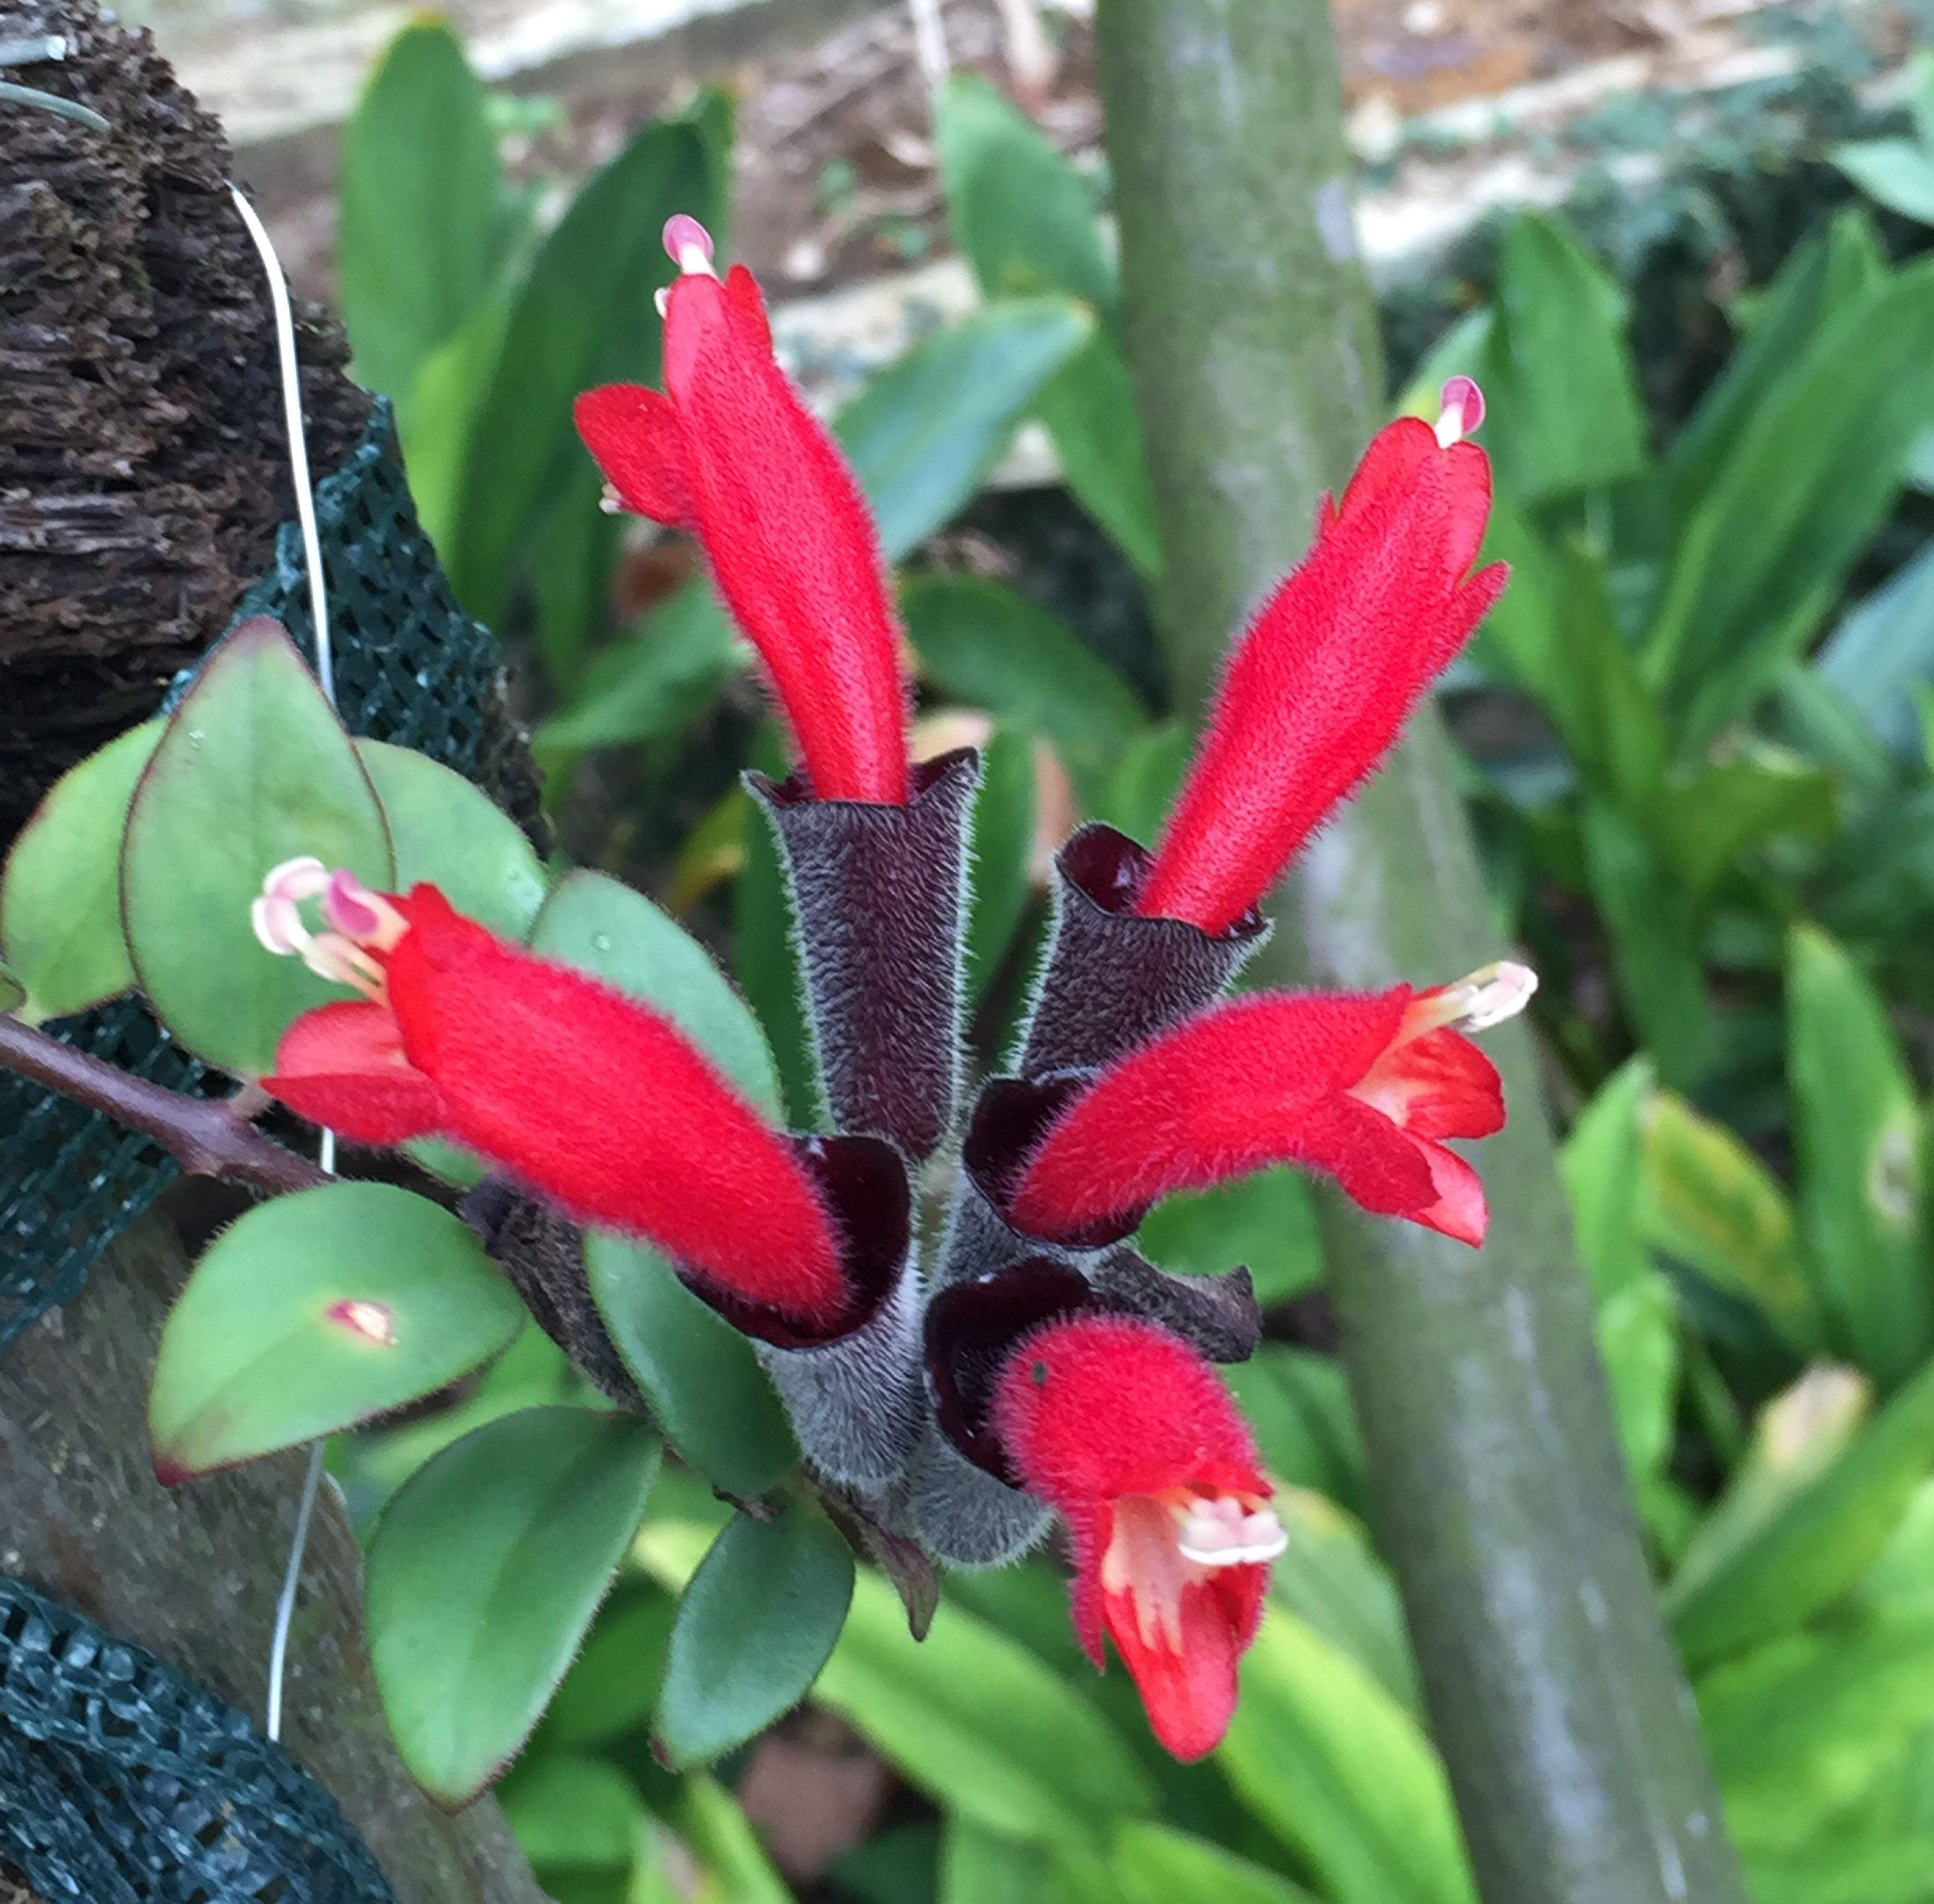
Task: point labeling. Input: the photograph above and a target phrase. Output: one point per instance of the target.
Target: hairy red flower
(586, 1095)
(1363, 1085)
(1333, 661)
(729, 453)
(1124, 1431)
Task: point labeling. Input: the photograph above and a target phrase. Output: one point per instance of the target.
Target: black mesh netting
(410, 667)
(120, 1783)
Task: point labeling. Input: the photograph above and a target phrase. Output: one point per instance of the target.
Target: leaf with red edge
(255, 769)
(314, 1313)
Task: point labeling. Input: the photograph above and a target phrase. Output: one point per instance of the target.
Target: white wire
(325, 673)
(285, 1602)
(285, 341)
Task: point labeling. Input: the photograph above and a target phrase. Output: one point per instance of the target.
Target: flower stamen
(364, 926)
(1460, 410)
(1485, 997)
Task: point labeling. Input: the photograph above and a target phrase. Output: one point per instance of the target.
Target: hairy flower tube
(1323, 678)
(731, 453)
(1128, 1435)
(1363, 1086)
(586, 1096)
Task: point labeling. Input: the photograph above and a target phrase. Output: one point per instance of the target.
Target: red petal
(1096, 1407)
(792, 547)
(1190, 1693)
(1244, 1084)
(605, 1107)
(1322, 679)
(634, 434)
(1459, 1210)
(1437, 1085)
(343, 1067)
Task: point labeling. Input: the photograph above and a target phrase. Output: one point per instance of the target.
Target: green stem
(1555, 1695)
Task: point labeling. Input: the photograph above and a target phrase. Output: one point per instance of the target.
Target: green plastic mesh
(121, 1783)
(410, 667)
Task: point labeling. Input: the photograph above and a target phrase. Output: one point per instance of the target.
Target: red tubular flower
(1120, 1428)
(1322, 678)
(730, 453)
(1363, 1085)
(585, 1095)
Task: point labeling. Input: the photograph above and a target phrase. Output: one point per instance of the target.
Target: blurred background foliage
(1697, 740)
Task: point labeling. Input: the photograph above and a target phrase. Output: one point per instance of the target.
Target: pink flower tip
(1460, 410)
(688, 244)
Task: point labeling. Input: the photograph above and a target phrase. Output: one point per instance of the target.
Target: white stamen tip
(1221, 1533)
(1493, 994)
(662, 297)
(1460, 410)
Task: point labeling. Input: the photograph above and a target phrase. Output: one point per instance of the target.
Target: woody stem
(206, 1138)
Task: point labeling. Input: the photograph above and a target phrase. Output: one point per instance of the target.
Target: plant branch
(207, 1138)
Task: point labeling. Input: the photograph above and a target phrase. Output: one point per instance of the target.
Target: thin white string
(285, 1602)
(285, 341)
(325, 673)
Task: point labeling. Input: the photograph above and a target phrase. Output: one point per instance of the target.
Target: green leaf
(613, 1683)
(12, 994)
(1638, 1340)
(1136, 798)
(254, 768)
(484, 1572)
(1020, 211)
(1896, 172)
(1856, 1127)
(592, 921)
(724, 1838)
(1810, 478)
(1299, 1404)
(1815, 1543)
(1601, 1164)
(60, 901)
(1797, 1729)
(448, 832)
(1705, 825)
(983, 645)
(423, 217)
(1088, 410)
(754, 1628)
(314, 1312)
(1821, 278)
(1710, 1203)
(980, 1867)
(1001, 872)
(1267, 1221)
(1330, 1576)
(1561, 380)
(925, 432)
(655, 681)
(947, 1713)
(1883, 650)
(701, 1376)
(572, 556)
(435, 416)
(1342, 1773)
(1156, 1865)
(583, 316)
(572, 1814)
(1656, 941)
